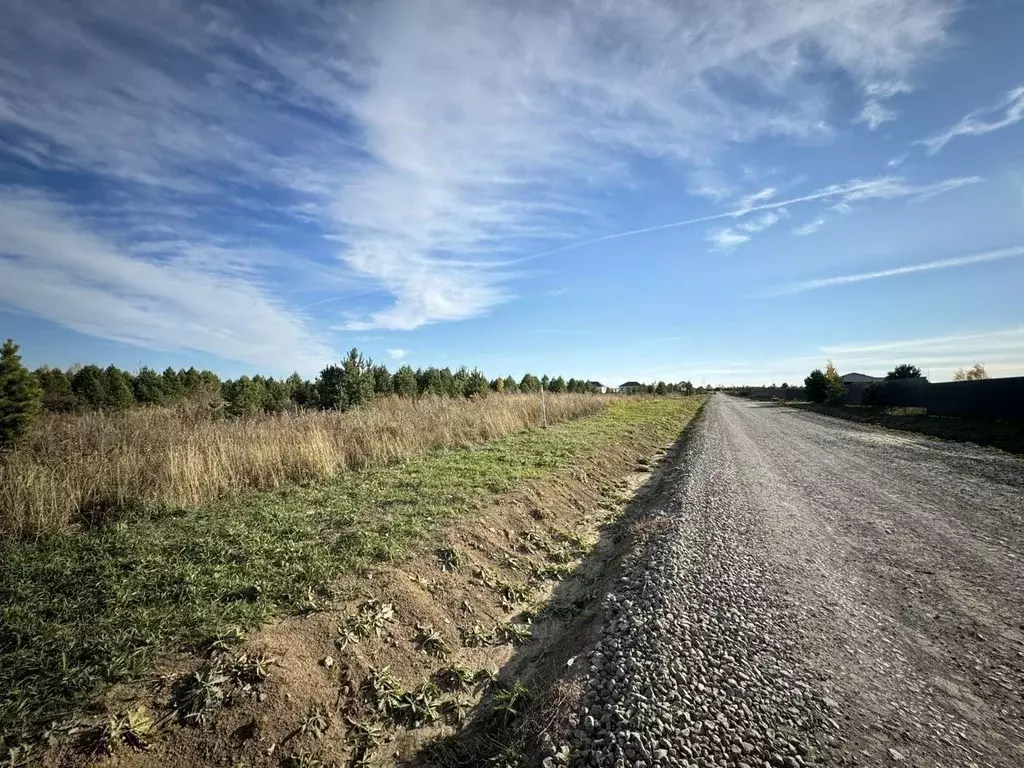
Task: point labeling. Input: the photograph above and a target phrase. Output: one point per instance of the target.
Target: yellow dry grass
(77, 468)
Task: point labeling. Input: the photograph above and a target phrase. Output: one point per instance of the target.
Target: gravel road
(817, 593)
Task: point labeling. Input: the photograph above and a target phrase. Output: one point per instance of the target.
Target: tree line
(348, 384)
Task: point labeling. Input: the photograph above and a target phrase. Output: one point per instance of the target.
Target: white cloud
(810, 227)
(752, 201)
(960, 261)
(726, 239)
(53, 266)
(874, 113)
(762, 222)
(897, 161)
(981, 121)
(397, 354)
(431, 139)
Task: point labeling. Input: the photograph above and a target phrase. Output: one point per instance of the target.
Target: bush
(817, 386)
(904, 371)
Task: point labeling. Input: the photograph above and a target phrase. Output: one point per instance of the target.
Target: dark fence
(772, 393)
(988, 398)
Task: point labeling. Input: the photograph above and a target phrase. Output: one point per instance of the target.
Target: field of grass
(1005, 435)
(81, 468)
(82, 609)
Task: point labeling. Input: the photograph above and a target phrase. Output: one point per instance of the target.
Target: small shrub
(509, 702)
(513, 633)
(431, 643)
(249, 670)
(477, 637)
(202, 694)
(422, 706)
(317, 721)
(133, 728)
(455, 678)
(448, 559)
(384, 691)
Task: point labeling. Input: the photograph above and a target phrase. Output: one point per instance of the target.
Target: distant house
(597, 385)
(860, 378)
(630, 386)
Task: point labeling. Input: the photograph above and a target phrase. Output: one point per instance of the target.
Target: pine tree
(382, 381)
(56, 386)
(529, 383)
(404, 382)
(345, 386)
(300, 391)
(244, 396)
(89, 384)
(476, 384)
(118, 395)
(149, 387)
(21, 398)
(357, 379)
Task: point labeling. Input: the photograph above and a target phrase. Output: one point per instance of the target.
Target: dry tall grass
(79, 467)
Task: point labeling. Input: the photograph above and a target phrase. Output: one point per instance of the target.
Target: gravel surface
(816, 592)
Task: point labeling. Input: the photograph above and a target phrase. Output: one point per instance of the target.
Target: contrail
(831, 191)
(960, 261)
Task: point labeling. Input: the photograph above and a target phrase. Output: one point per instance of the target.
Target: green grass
(1005, 435)
(81, 611)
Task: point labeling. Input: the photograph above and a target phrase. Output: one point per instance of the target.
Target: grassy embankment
(89, 606)
(1004, 435)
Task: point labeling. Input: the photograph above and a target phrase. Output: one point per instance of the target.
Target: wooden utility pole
(544, 405)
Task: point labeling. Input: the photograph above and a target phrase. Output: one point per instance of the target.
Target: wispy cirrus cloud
(928, 266)
(1009, 111)
(54, 267)
(749, 202)
(883, 188)
(809, 228)
(1000, 350)
(429, 140)
(873, 114)
(397, 354)
(726, 239)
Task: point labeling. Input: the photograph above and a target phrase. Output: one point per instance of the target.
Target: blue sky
(628, 189)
